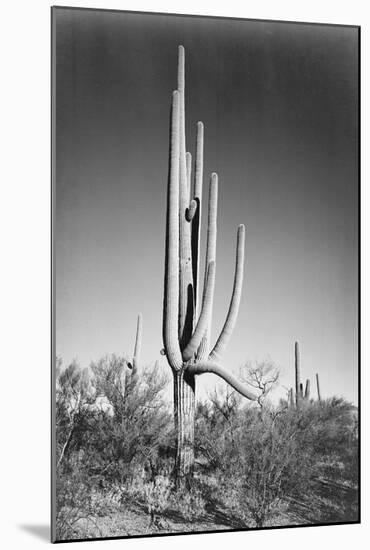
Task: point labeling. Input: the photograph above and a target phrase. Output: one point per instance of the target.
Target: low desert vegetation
(257, 464)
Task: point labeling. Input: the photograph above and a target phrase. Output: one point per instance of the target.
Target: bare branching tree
(262, 376)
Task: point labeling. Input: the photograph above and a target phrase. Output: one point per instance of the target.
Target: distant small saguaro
(318, 387)
(297, 373)
(299, 393)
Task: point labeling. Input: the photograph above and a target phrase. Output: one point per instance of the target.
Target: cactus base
(184, 409)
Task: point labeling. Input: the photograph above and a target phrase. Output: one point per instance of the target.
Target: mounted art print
(205, 274)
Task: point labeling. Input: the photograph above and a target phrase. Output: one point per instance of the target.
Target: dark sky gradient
(279, 104)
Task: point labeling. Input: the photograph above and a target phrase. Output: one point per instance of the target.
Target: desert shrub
(157, 495)
(189, 502)
(267, 460)
(258, 464)
(116, 426)
(160, 497)
(153, 494)
(264, 466)
(74, 502)
(110, 432)
(139, 430)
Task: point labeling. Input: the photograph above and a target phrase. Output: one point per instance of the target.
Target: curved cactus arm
(171, 283)
(137, 348)
(213, 367)
(201, 327)
(196, 219)
(210, 254)
(190, 212)
(212, 220)
(235, 298)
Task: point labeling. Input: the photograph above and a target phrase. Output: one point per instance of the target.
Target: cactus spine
(187, 317)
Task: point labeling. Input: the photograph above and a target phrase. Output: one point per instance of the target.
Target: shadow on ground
(40, 531)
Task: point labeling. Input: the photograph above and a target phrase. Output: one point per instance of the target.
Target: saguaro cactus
(318, 387)
(307, 389)
(186, 317)
(298, 390)
(290, 398)
(134, 364)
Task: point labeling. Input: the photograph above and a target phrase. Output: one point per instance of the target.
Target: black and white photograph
(205, 274)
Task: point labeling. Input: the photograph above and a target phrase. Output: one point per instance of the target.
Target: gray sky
(279, 104)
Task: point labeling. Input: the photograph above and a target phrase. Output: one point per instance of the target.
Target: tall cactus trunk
(184, 409)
